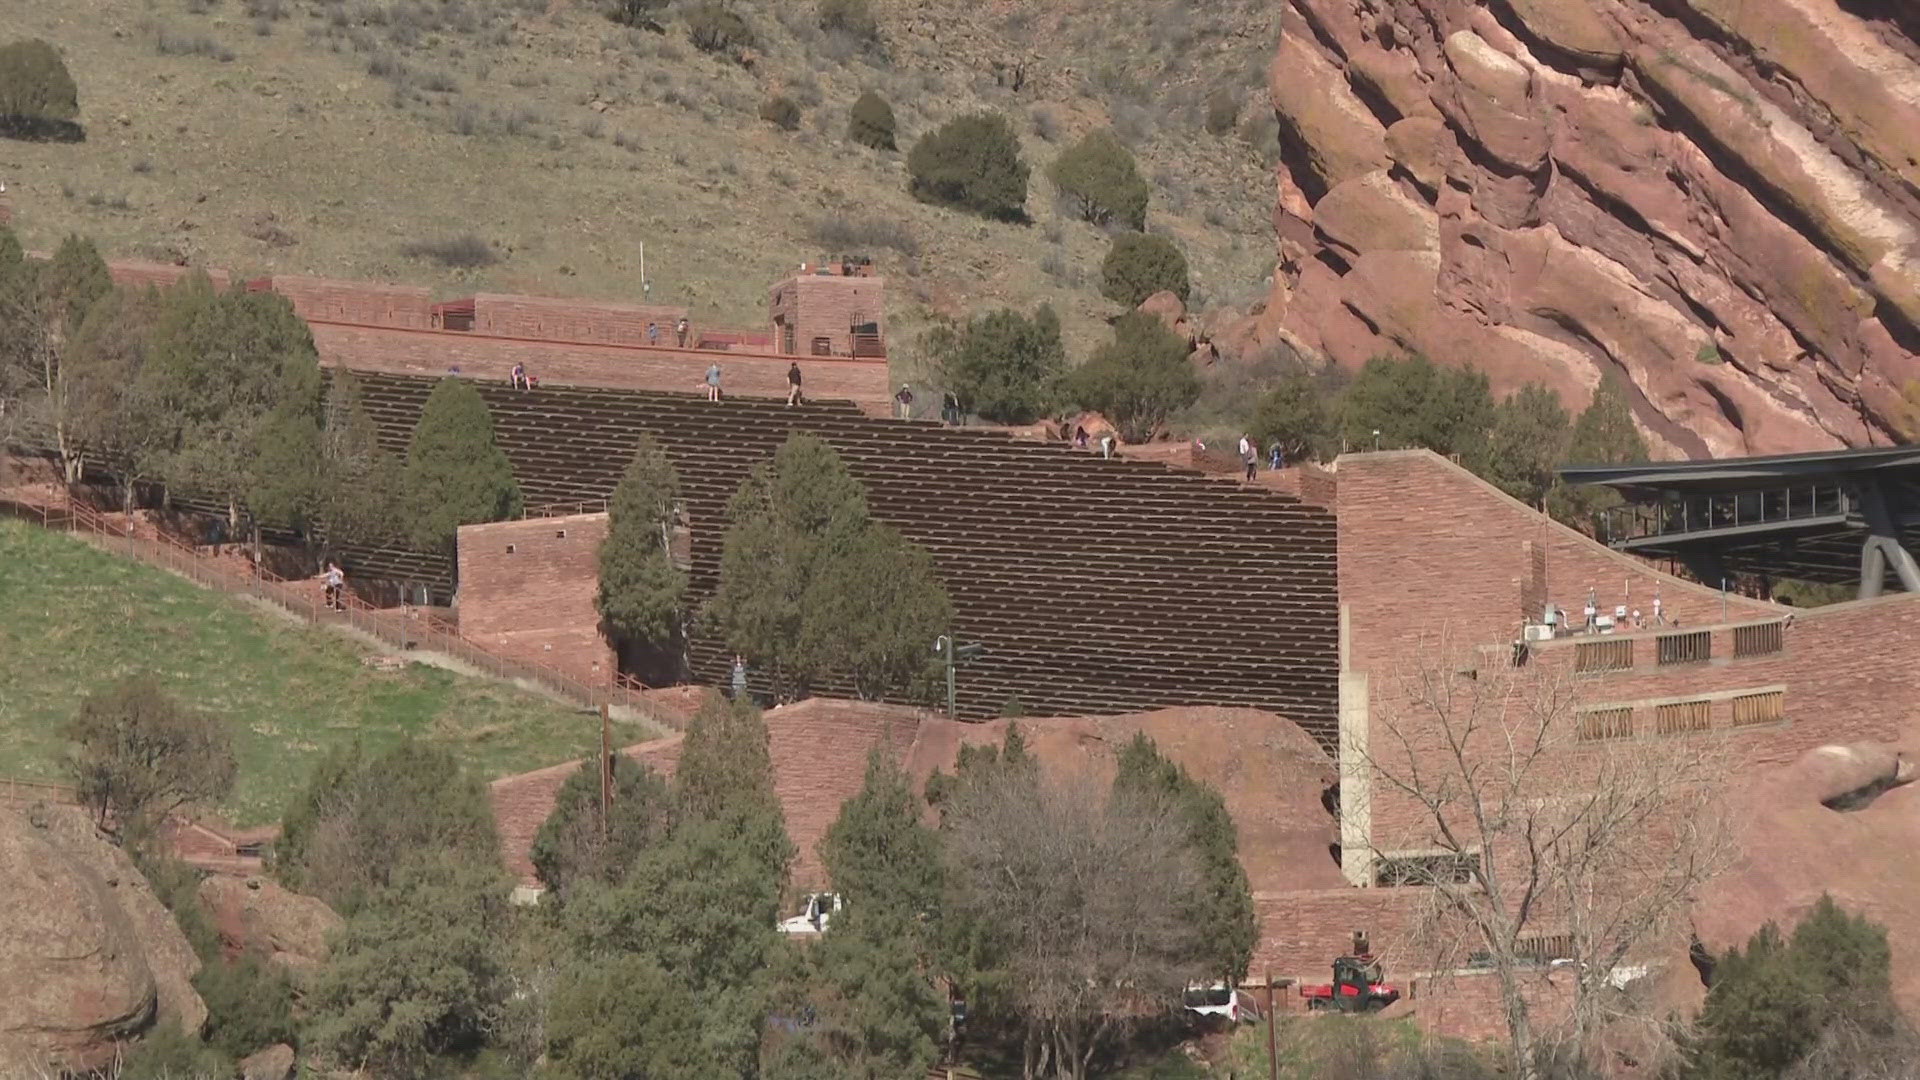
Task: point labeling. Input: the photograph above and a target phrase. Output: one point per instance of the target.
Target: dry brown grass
(563, 141)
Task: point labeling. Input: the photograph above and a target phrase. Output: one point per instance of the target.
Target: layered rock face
(1718, 200)
(88, 956)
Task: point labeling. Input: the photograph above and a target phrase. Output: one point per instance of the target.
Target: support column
(1882, 546)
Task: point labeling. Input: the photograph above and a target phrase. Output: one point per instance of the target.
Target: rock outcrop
(1718, 200)
(1841, 820)
(88, 955)
(256, 915)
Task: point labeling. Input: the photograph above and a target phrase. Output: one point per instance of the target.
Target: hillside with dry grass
(370, 138)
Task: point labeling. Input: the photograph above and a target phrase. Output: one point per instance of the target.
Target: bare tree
(1082, 898)
(1543, 831)
(139, 755)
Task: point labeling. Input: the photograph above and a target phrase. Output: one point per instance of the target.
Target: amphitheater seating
(1096, 586)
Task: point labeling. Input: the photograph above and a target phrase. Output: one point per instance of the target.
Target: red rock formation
(1718, 199)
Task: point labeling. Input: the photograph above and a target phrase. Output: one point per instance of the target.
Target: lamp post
(952, 654)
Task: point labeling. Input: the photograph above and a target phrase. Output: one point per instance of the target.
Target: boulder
(1168, 308)
(1571, 26)
(1838, 821)
(257, 915)
(88, 955)
(273, 1063)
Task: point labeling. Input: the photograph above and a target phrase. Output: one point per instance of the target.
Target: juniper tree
(1293, 414)
(455, 473)
(971, 162)
(1140, 264)
(1223, 904)
(879, 855)
(870, 611)
(41, 308)
(101, 370)
(870, 122)
(35, 87)
(360, 496)
(1099, 174)
(578, 843)
(1138, 379)
(642, 592)
(1412, 402)
(1002, 366)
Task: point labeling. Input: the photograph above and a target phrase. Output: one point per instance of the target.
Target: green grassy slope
(73, 618)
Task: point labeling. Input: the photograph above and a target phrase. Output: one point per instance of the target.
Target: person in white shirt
(1248, 456)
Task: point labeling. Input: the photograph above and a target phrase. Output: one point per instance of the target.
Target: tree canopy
(1140, 264)
(577, 843)
(35, 85)
(971, 162)
(139, 755)
(870, 122)
(1603, 434)
(359, 497)
(1412, 402)
(456, 474)
(1293, 414)
(1526, 443)
(798, 594)
(642, 591)
(1099, 174)
(1138, 379)
(1002, 366)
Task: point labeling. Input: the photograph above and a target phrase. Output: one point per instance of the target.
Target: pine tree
(870, 610)
(35, 87)
(1412, 402)
(642, 591)
(1100, 175)
(574, 844)
(359, 499)
(1526, 443)
(870, 122)
(1223, 907)
(1140, 264)
(456, 474)
(1603, 434)
(878, 854)
(1293, 414)
(972, 162)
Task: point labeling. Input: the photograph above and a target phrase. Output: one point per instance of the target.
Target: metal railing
(1769, 506)
(403, 628)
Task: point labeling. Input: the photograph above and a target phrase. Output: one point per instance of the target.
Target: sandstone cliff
(1717, 199)
(88, 956)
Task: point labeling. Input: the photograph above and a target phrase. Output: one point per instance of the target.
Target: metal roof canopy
(1842, 515)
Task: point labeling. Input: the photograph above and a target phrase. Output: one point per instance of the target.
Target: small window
(1757, 640)
(509, 549)
(1765, 708)
(1606, 724)
(1679, 717)
(1690, 648)
(1613, 654)
(1401, 870)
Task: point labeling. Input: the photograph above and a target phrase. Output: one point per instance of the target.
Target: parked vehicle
(1219, 1001)
(816, 912)
(1356, 987)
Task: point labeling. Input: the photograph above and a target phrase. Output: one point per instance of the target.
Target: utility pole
(606, 772)
(1273, 1041)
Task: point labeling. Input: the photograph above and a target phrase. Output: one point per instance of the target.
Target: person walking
(1248, 456)
(681, 328)
(336, 580)
(739, 677)
(1276, 457)
(950, 408)
(653, 333)
(713, 381)
(793, 384)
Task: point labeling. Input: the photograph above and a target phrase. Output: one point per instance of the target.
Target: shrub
(641, 13)
(714, 27)
(1100, 175)
(851, 17)
(1223, 111)
(467, 252)
(843, 233)
(249, 1004)
(870, 123)
(1138, 379)
(167, 1053)
(971, 162)
(141, 755)
(35, 84)
(1141, 264)
(781, 112)
(1000, 366)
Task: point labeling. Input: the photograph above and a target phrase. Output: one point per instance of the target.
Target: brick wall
(365, 302)
(1467, 1004)
(585, 321)
(527, 590)
(1301, 932)
(827, 306)
(433, 352)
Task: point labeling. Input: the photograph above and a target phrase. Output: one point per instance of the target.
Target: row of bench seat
(1095, 585)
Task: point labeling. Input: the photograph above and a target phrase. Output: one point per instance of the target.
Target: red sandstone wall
(827, 306)
(554, 319)
(431, 352)
(535, 602)
(365, 302)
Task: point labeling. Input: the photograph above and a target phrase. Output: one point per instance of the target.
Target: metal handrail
(1698, 513)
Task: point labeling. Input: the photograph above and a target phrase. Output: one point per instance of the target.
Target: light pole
(952, 655)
